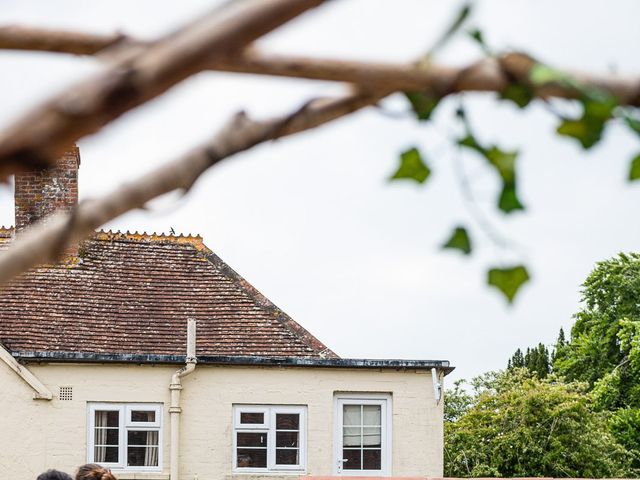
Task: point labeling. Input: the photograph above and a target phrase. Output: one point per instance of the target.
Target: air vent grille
(66, 393)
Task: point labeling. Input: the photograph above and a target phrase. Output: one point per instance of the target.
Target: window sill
(141, 475)
(263, 475)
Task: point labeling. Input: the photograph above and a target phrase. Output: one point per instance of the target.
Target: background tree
(517, 425)
(604, 348)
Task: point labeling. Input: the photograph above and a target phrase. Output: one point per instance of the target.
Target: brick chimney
(39, 193)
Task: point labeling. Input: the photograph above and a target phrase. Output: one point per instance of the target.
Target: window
(363, 434)
(125, 435)
(269, 438)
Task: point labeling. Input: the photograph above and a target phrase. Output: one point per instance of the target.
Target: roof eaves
(312, 362)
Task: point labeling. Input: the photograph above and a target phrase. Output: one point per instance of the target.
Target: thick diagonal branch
(485, 75)
(43, 242)
(131, 80)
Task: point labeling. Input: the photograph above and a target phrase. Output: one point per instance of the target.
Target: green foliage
(519, 94)
(422, 104)
(605, 340)
(503, 162)
(412, 167)
(604, 349)
(516, 425)
(457, 402)
(508, 280)
(478, 37)
(634, 170)
(459, 240)
(625, 425)
(588, 128)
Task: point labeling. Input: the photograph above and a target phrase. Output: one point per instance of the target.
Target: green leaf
(588, 128)
(422, 104)
(634, 171)
(508, 280)
(519, 94)
(586, 133)
(477, 36)
(459, 240)
(509, 201)
(504, 163)
(412, 167)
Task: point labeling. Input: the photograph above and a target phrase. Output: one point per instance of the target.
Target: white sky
(312, 222)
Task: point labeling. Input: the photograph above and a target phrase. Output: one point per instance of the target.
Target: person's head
(91, 471)
(54, 475)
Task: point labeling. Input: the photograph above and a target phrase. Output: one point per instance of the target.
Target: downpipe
(176, 388)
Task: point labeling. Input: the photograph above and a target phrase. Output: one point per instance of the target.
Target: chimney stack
(39, 193)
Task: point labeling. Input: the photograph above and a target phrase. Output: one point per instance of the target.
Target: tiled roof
(133, 293)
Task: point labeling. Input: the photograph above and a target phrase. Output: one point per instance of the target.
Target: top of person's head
(54, 475)
(91, 471)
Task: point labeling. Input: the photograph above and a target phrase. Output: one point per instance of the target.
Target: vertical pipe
(176, 388)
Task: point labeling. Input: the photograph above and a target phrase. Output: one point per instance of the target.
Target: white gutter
(176, 388)
(42, 392)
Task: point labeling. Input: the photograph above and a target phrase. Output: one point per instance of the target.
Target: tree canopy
(604, 349)
(518, 425)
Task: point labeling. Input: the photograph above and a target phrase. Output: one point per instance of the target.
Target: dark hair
(91, 471)
(54, 475)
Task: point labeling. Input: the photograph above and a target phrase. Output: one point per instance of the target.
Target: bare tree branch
(43, 242)
(42, 134)
(485, 75)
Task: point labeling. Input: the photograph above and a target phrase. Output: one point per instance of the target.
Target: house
(148, 354)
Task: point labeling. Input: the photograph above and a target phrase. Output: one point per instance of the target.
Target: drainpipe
(176, 388)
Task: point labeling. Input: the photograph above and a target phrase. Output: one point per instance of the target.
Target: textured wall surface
(36, 435)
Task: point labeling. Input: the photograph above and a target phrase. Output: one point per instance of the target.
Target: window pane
(286, 457)
(351, 415)
(105, 454)
(143, 416)
(250, 439)
(286, 439)
(106, 436)
(352, 458)
(371, 460)
(106, 418)
(371, 436)
(135, 437)
(287, 421)
(372, 414)
(352, 437)
(142, 456)
(252, 458)
(252, 417)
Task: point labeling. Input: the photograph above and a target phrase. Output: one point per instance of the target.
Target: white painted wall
(36, 434)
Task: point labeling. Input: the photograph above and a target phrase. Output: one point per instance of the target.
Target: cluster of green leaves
(597, 110)
(514, 424)
(604, 349)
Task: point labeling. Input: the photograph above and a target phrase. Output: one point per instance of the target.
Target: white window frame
(124, 425)
(386, 410)
(269, 427)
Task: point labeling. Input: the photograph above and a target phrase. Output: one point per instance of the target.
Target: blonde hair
(91, 471)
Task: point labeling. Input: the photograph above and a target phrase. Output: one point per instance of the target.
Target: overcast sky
(313, 223)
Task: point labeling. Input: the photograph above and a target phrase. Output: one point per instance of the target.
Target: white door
(362, 436)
